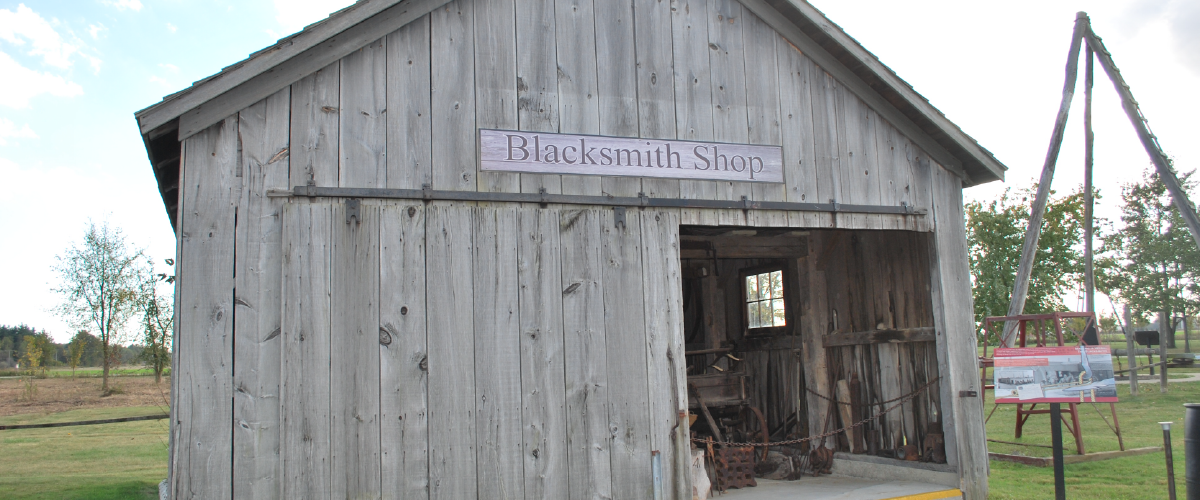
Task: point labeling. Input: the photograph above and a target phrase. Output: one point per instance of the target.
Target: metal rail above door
(544, 198)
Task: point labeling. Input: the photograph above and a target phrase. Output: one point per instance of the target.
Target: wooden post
(1131, 351)
(1060, 485)
(1161, 163)
(1187, 334)
(1033, 231)
(1162, 349)
(1089, 275)
(843, 398)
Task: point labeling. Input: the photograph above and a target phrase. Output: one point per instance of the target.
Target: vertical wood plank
(362, 143)
(816, 325)
(403, 378)
(496, 81)
(256, 343)
(903, 189)
(891, 168)
(211, 190)
(587, 388)
(537, 81)
(354, 353)
(617, 84)
(662, 297)
(452, 55)
(956, 342)
(498, 354)
(922, 183)
(577, 82)
(693, 96)
(304, 415)
(856, 145)
(799, 170)
(451, 332)
(314, 130)
(727, 60)
(542, 371)
(827, 162)
(409, 126)
(625, 340)
(655, 92)
(763, 107)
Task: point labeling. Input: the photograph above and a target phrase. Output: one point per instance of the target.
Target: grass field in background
(112, 461)
(85, 372)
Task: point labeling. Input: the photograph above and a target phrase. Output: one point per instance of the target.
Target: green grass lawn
(111, 461)
(1142, 476)
(88, 372)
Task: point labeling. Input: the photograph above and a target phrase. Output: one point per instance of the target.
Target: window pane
(764, 313)
(777, 312)
(751, 288)
(777, 285)
(752, 315)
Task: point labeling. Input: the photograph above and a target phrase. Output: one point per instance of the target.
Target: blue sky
(72, 73)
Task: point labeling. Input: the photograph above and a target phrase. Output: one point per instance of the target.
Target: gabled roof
(166, 124)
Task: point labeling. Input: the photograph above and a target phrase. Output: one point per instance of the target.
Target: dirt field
(57, 394)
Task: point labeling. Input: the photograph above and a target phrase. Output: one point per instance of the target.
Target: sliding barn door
(453, 352)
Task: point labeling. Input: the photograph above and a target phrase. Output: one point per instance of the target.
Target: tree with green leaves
(1152, 263)
(995, 235)
(103, 284)
(75, 349)
(158, 319)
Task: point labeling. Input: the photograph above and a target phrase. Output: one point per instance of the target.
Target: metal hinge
(353, 211)
(619, 217)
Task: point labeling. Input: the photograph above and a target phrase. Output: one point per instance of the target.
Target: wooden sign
(535, 152)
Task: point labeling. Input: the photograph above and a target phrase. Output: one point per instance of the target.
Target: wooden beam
(1149, 141)
(922, 334)
(772, 343)
(1074, 459)
(742, 247)
(1034, 229)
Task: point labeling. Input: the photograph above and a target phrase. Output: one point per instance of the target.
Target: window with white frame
(764, 300)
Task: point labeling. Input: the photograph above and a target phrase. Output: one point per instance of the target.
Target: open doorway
(797, 333)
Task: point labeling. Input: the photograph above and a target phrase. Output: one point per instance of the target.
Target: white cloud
(26, 25)
(172, 28)
(1184, 20)
(8, 129)
(159, 80)
(169, 67)
(134, 5)
(96, 30)
(296, 14)
(21, 84)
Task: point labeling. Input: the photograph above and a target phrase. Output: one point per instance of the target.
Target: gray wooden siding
(518, 391)
(404, 110)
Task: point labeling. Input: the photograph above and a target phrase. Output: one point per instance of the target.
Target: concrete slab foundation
(842, 488)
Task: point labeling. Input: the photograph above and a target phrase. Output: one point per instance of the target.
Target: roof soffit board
(273, 68)
(982, 165)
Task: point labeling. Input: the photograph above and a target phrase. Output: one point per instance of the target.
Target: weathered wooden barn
(422, 254)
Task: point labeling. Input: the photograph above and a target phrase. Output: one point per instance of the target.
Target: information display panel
(1074, 374)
